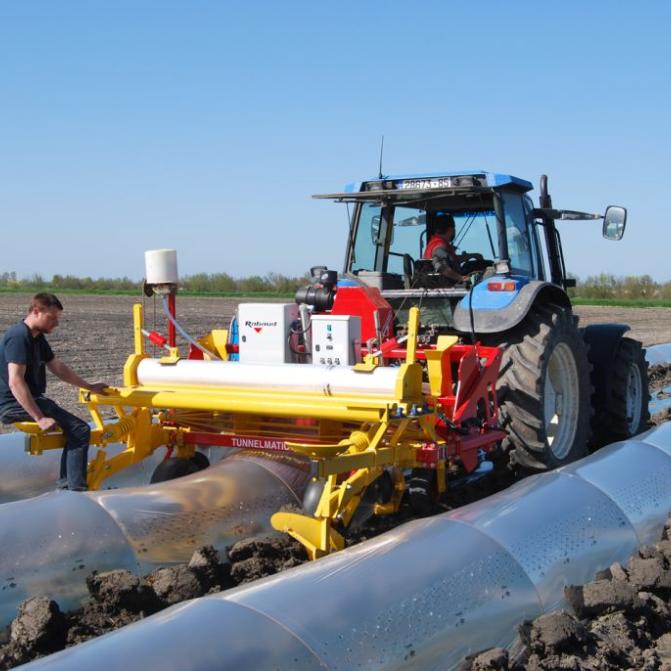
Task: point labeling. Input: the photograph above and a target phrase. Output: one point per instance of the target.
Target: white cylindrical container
(296, 377)
(161, 266)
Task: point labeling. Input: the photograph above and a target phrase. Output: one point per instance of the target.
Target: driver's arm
(441, 263)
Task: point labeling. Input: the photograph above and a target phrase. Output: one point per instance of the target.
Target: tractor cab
(394, 219)
(497, 239)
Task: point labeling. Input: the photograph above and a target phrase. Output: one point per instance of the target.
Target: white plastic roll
(161, 266)
(296, 377)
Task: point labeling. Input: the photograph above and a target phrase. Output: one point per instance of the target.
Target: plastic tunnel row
(51, 542)
(424, 595)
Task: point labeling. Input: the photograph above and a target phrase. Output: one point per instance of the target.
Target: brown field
(95, 335)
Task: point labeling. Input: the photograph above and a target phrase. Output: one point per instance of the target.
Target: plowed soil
(95, 338)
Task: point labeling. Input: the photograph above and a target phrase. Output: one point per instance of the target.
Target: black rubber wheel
(544, 389)
(422, 491)
(172, 468)
(200, 460)
(313, 492)
(621, 410)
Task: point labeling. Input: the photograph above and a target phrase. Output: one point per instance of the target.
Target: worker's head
(444, 226)
(44, 312)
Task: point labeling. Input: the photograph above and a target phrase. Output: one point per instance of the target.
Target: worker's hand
(98, 388)
(46, 423)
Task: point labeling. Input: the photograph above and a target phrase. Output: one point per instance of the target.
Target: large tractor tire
(544, 389)
(621, 410)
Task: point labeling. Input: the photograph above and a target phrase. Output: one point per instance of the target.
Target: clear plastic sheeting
(426, 594)
(394, 602)
(658, 353)
(636, 476)
(49, 544)
(557, 527)
(187, 636)
(164, 523)
(25, 475)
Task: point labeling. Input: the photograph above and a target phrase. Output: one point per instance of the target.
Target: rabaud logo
(259, 326)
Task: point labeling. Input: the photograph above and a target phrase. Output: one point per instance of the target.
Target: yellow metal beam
(245, 401)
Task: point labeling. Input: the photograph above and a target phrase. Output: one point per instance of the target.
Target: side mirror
(614, 221)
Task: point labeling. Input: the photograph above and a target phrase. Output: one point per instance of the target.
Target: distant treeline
(602, 286)
(201, 283)
(605, 286)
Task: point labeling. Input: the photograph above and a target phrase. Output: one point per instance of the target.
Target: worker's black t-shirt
(19, 346)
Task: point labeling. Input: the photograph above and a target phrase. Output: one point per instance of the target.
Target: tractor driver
(440, 250)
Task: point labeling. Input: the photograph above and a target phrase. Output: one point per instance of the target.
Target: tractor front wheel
(544, 389)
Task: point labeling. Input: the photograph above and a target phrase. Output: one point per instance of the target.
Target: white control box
(336, 340)
(263, 330)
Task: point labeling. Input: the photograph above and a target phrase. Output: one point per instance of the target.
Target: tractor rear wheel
(623, 412)
(544, 389)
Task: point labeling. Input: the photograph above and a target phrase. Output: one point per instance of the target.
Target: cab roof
(493, 179)
(417, 184)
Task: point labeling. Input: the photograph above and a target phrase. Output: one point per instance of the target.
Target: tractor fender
(500, 318)
(602, 342)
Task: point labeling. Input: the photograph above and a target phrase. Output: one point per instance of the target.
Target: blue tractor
(561, 389)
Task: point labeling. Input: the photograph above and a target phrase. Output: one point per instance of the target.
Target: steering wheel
(471, 263)
(408, 270)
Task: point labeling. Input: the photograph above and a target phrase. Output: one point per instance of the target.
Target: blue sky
(207, 126)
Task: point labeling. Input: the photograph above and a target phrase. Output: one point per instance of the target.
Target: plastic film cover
(560, 528)
(198, 635)
(227, 502)
(418, 597)
(49, 545)
(637, 477)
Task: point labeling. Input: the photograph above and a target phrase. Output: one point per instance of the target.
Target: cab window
(365, 244)
(517, 233)
(409, 237)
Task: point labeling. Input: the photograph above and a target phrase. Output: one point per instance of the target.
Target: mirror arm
(565, 215)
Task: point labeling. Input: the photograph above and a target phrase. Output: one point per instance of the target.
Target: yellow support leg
(316, 535)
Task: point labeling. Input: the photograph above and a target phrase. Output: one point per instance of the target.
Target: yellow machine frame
(372, 434)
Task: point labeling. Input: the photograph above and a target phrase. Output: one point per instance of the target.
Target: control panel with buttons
(336, 340)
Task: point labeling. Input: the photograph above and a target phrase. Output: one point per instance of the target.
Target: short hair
(443, 221)
(44, 301)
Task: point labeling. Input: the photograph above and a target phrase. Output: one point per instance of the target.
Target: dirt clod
(38, 629)
(659, 375)
(495, 659)
(601, 596)
(256, 558)
(174, 584)
(554, 632)
(117, 590)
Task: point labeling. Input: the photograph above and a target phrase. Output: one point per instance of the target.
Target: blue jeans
(77, 436)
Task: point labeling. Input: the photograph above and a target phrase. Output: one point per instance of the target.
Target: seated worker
(440, 250)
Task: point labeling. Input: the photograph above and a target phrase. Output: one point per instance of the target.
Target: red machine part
(156, 338)
(467, 405)
(363, 302)
(172, 308)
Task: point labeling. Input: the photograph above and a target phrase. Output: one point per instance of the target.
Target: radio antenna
(381, 152)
